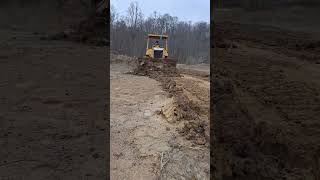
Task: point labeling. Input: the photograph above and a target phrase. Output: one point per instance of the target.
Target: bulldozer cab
(158, 41)
(157, 53)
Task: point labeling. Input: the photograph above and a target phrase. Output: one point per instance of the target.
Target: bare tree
(134, 16)
(113, 15)
(188, 42)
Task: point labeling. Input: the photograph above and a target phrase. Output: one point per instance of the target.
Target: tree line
(188, 42)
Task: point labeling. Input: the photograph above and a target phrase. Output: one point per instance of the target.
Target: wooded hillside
(189, 42)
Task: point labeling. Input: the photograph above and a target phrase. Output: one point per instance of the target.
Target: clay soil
(266, 103)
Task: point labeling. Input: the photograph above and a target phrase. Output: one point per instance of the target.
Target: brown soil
(190, 101)
(200, 71)
(90, 31)
(266, 104)
(52, 97)
(145, 141)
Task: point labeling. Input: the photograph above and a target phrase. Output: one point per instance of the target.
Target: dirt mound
(154, 71)
(181, 109)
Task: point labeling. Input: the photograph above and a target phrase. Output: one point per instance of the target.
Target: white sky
(186, 10)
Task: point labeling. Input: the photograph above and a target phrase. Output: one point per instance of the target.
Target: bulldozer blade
(157, 63)
(165, 62)
(170, 60)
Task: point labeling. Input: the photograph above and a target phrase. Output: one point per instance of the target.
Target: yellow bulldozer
(157, 55)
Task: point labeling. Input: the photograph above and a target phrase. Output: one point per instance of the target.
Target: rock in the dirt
(169, 111)
(173, 142)
(147, 114)
(200, 141)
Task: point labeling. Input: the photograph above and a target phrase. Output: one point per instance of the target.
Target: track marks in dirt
(271, 113)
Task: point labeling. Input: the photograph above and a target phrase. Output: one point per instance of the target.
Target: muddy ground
(53, 94)
(145, 143)
(52, 104)
(266, 103)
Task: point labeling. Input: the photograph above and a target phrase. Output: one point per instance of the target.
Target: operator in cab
(156, 44)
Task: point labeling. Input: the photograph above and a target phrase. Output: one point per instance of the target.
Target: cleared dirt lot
(144, 144)
(52, 102)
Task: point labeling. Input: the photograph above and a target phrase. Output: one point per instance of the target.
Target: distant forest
(189, 42)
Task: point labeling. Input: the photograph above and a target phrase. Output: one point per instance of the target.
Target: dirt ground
(53, 96)
(201, 71)
(266, 103)
(144, 143)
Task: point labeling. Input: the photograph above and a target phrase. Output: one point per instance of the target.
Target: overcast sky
(186, 10)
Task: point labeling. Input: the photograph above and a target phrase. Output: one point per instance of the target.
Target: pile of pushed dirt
(181, 109)
(154, 71)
